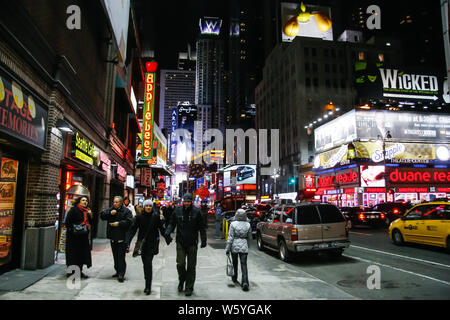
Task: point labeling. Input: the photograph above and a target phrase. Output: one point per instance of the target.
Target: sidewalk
(211, 280)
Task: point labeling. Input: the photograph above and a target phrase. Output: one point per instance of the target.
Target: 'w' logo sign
(210, 26)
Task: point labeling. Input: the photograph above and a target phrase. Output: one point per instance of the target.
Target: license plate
(372, 217)
(323, 245)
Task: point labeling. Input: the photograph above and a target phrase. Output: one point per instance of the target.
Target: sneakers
(245, 287)
(121, 278)
(147, 291)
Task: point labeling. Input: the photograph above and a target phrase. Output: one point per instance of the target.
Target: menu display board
(8, 183)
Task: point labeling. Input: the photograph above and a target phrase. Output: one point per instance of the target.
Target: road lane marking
(400, 256)
(398, 269)
(365, 234)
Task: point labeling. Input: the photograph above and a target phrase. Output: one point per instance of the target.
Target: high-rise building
(177, 86)
(211, 77)
(309, 81)
(187, 60)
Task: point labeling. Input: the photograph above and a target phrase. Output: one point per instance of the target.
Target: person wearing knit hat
(189, 222)
(150, 224)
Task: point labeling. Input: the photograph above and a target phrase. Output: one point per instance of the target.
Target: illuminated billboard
(187, 115)
(372, 176)
(149, 144)
(240, 174)
(377, 81)
(336, 132)
(210, 26)
(300, 20)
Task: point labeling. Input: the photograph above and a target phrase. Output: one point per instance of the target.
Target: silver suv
(303, 227)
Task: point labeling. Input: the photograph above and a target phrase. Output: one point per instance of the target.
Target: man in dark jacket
(150, 224)
(119, 221)
(188, 222)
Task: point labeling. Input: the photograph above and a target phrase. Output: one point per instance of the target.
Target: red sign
(227, 189)
(401, 190)
(339, 178)
(249, 186)
(443, 189)
(419, 176)
(240, 187)
(375, 190)
(309, 181)
(148, 142)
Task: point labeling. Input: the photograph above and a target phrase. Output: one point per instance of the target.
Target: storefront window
(8, 182)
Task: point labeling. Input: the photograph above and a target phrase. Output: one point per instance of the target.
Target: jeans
(243, 259)
(147, 260)
(187, 274)
(219, 229)
(119, 250)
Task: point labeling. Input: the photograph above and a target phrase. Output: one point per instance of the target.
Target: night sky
(177, 24)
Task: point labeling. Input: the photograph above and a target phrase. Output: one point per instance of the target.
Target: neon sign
(149, 144)
(425, 176)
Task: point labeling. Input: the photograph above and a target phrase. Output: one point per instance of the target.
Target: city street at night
(412, 272)
(226, 152)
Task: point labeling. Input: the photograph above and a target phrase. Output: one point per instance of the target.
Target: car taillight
(395, 211)
(361, 216)
(382, 216)
(258, 213)
(294, 234)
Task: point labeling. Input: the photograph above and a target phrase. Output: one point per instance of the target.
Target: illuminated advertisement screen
(148, 143)
(403, 125)
(336, 132)
(299, 20)
(242, 174)
(376, 81)
(173, 141)
(372, 176)
(210, 26)
(187, 115)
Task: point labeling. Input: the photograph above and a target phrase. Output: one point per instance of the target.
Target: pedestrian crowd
(151, 222)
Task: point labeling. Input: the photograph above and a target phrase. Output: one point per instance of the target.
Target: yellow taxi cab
(426, 223)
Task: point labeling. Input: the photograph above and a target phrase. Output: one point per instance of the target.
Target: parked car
(262, 210)
(303, 227)
(392, 210)
(363, 216)
(427, 223)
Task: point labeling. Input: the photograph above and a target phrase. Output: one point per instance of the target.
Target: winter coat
(125, 219)
(239, 233)
(78, 248)
(149, 225)
(189, 223)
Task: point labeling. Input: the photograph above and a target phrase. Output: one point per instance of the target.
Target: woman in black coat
(78, 248)
(150, 224)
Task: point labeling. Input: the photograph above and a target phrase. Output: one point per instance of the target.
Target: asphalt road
(373, 268)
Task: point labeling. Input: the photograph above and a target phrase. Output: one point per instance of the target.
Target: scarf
(85, 215)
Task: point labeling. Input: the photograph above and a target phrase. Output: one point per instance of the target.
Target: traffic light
(292, 181)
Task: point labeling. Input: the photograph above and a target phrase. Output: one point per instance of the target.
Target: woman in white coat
(239, 233)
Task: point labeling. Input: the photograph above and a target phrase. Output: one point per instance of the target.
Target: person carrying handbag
(148, 223)
(237, 244)
(78, 223)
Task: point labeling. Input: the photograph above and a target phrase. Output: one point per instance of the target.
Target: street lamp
(275, 176)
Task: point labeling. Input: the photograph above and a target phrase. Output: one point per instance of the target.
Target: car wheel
(397, 237)
(283, 251)
(259, 242)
